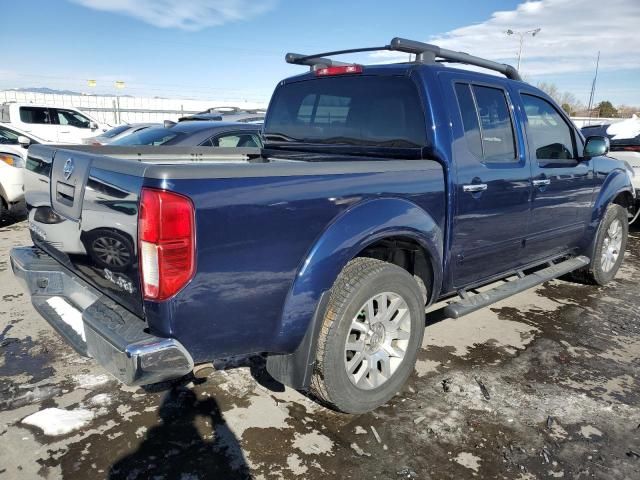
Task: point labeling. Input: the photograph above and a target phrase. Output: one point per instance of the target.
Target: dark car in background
(228, 114)
(116, 133)
(203, 133)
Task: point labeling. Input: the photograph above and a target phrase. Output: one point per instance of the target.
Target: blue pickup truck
(380, 189)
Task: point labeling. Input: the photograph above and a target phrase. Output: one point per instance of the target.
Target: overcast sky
(235, 48)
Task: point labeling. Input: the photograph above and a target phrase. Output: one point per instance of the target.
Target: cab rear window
(358, 110)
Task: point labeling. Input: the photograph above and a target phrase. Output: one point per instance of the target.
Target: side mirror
(93, 125)
(596, 146)
(23, 141)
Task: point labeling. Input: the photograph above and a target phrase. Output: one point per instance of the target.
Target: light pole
(533, 33)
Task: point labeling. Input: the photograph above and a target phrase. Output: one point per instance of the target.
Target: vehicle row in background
(201, 133)
(624, 138)
(116, 133)
(52, 124)
(227, 114)
(13, 155)
(23, 124)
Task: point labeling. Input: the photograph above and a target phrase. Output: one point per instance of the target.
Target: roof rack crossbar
(434, 51)
(424, 52)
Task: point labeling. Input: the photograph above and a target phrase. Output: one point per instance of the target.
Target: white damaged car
(13, 156)
(625, 145)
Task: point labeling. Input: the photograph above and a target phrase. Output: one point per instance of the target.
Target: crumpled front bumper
(95, 325)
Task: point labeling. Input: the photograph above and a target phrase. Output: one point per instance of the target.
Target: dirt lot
(544, 385)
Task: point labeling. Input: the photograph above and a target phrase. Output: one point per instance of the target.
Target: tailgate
(86, 218)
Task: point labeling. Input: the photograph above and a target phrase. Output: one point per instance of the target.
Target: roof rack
(425, 53)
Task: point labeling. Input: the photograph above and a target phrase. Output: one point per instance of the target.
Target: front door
(39, 122)
(562, 182)
(72, 126)
(493, 187)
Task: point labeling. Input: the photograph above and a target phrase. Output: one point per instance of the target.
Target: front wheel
(370, 336)
(609, 246)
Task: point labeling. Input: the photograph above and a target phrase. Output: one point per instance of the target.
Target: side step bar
(470, 304)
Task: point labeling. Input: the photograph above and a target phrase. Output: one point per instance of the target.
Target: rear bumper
(95, 325)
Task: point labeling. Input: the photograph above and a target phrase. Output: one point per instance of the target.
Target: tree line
(575, 108)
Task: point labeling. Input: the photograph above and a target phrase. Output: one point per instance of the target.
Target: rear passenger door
(39, 121)
(563, 183)
(493, 184)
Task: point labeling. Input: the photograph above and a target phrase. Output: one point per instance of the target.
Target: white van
(53, 124)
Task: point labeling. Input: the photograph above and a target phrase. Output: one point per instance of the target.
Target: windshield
(151, 136)
(355, 110)
(7, 137)
(115, 131)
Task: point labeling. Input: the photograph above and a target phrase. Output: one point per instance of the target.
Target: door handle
(474, 187)
(541, 183)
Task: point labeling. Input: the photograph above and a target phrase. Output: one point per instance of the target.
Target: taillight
(166, 234)
(341, 70)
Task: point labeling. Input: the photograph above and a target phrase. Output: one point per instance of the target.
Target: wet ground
(543, 385)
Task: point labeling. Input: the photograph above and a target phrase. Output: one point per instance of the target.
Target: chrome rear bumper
(95, 325)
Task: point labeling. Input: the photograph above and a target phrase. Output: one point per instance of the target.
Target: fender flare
(351, 232)
(616, 182)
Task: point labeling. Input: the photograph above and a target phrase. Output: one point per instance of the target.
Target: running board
(471, 303)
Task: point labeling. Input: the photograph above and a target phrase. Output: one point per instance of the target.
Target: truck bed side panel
(254, 233)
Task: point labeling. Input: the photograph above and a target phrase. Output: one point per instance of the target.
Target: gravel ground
(543, 385)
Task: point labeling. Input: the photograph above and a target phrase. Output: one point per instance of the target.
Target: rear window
(115, 131)
(151, 136)
(362, 110)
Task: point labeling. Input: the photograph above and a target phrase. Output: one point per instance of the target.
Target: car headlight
(47, 216)
(13, 160)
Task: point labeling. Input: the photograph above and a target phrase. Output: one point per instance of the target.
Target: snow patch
(90, 381)
(629, 128)
(102, 399)
(468, 460)
(56, 421)
(313, 443)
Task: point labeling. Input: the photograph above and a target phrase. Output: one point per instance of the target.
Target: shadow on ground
(191, 438)
(13, 218)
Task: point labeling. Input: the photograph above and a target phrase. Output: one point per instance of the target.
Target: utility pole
(593, 87)
(533, 33)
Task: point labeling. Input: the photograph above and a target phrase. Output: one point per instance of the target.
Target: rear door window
(351, 110)
(487, 123)
(232, 140)
(470, 121)
(498, 139)
(35, 115)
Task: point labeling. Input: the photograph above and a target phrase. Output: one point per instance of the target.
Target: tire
(4, 211)
(605, 260)
(363, 283)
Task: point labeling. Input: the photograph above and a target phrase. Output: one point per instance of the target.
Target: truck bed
(261, 225)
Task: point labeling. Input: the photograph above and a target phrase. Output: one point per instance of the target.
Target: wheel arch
(359, 231)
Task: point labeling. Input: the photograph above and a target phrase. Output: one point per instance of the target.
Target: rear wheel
(609, 247)
(371, 333)
(4, 211)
